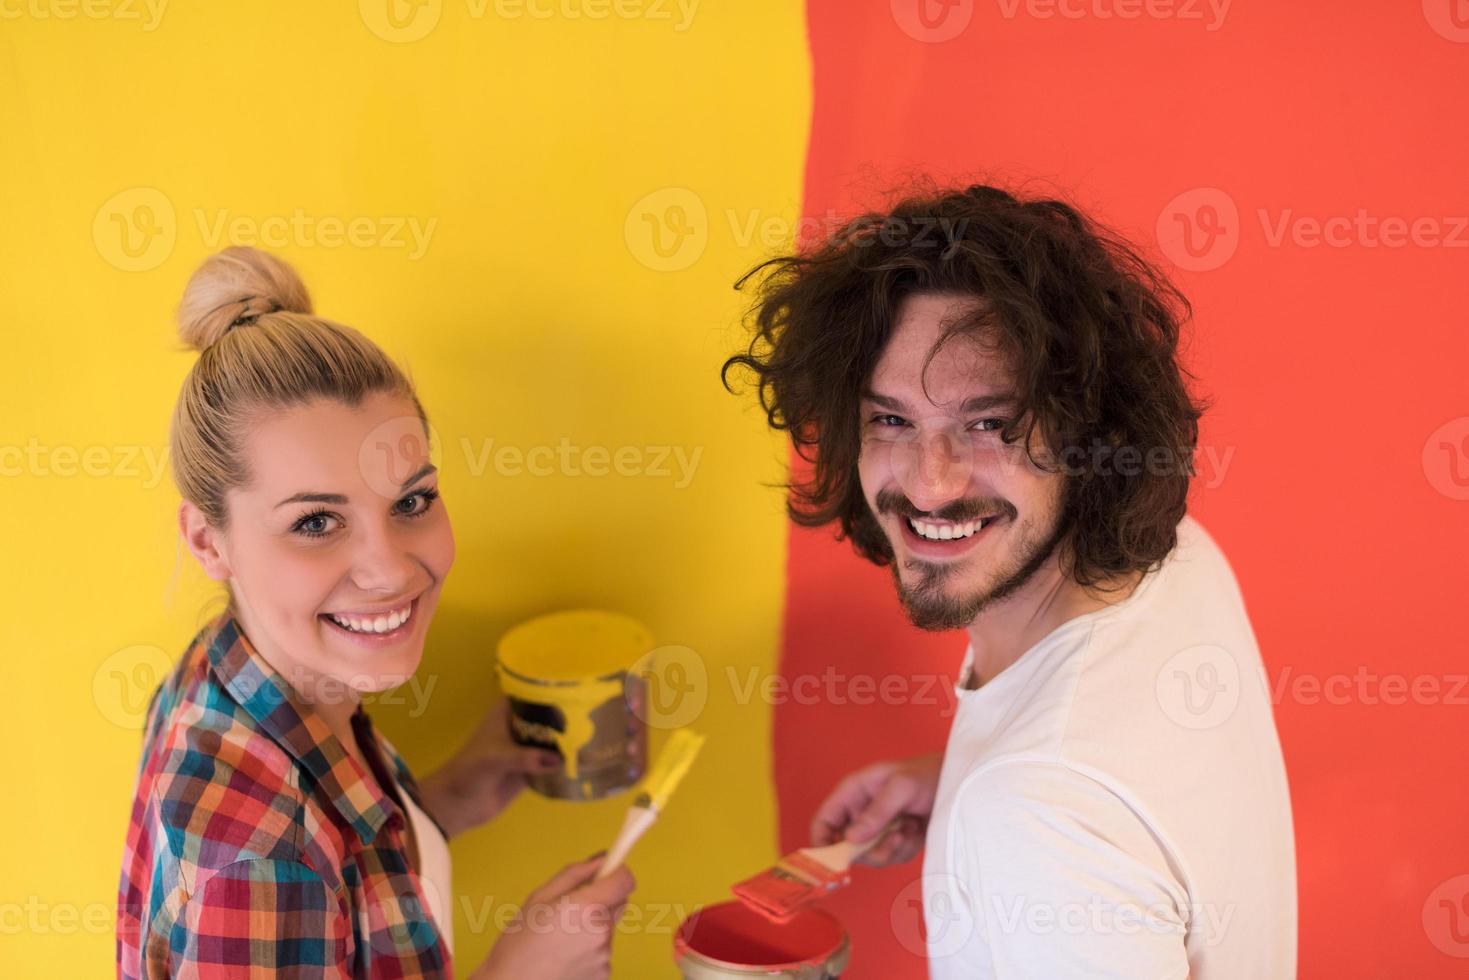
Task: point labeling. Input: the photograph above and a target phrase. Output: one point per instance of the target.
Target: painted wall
(1304, 164)
(534, 159)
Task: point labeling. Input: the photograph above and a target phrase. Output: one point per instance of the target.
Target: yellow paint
(535, 315)
(671, 767)
(574, 661)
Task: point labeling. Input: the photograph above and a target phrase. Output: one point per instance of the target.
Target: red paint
(732, 935)
(1330, 369)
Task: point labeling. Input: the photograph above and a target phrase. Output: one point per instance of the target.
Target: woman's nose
(383, 564)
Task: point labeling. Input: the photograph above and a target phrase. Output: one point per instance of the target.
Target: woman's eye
(314, 525)
(415, 504)
(988, 425)
(889, 420)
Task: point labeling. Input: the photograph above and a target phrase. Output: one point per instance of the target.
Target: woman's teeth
(945, 532)
(382, 623)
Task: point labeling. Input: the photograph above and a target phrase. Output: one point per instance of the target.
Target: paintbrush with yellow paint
(670, 768)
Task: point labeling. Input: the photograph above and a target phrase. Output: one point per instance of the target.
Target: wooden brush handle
(839, 856)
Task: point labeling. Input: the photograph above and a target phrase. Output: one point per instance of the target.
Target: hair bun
(234, 286)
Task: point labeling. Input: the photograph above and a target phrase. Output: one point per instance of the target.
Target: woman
(273, 830)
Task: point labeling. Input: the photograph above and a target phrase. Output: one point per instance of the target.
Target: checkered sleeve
(266, 918)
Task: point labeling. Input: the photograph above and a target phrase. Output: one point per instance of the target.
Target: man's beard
(932, 607)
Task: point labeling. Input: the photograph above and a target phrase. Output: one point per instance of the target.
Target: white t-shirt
(1114, 803)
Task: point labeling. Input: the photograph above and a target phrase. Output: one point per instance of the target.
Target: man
(989, 394)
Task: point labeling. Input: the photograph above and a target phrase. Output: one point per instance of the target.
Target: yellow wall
(532, 151)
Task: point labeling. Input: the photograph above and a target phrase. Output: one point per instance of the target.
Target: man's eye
(889, 420)
(988, 425)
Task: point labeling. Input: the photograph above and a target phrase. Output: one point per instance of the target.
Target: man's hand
(484, 776)
(868, 799)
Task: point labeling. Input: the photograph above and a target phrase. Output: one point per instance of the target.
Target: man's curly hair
(1090, 329)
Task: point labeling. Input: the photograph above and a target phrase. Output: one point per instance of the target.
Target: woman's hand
(871, 798)
(564, 929)
(484, 776)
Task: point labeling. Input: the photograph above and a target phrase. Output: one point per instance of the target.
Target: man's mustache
(890, 501)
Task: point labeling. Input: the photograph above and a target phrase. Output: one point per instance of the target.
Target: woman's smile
(376, 625)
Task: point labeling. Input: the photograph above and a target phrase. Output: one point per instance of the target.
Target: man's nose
(941, 471)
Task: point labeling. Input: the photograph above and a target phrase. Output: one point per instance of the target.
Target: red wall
(1332, 368)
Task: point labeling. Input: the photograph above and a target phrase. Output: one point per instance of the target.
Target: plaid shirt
(258, 846)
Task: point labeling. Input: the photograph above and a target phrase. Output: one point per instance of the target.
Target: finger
(849, 798)
(609, 891)
(565, 880)
(890, 801)
(896, 846)
(527, 760)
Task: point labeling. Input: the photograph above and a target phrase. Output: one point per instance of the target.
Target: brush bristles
(669, 770)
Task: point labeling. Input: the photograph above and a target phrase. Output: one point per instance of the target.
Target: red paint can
(728, 941)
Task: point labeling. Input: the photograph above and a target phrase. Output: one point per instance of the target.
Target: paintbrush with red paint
(802, 877)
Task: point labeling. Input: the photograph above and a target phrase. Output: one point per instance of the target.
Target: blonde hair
(260, 348)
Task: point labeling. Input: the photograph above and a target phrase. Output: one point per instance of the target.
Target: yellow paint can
(567, 677)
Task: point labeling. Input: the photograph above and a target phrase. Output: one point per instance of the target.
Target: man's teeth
(945, 532)
(385, 623)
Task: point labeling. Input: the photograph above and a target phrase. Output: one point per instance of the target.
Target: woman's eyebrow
(309, 497)
(423, 471)
(314, 498)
